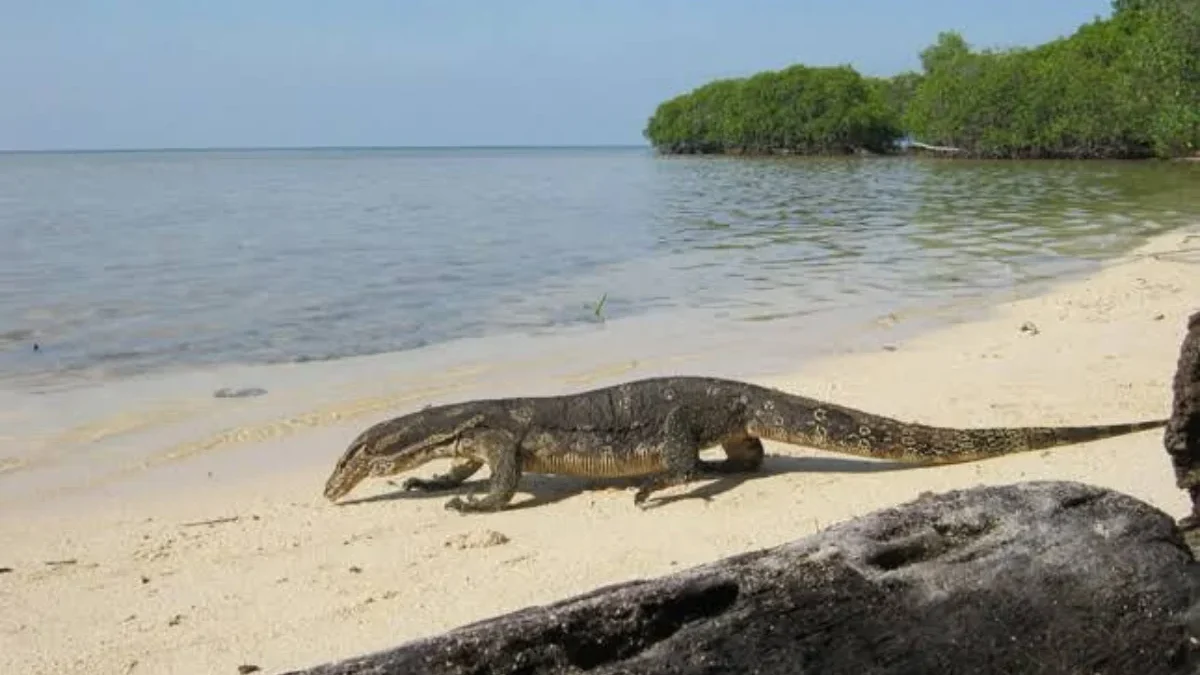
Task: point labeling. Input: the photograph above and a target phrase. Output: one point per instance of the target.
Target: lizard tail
(789, 418)
(950, 445)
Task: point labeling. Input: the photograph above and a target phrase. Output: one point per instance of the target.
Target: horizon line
(234, 148)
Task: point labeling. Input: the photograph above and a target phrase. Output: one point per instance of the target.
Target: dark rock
(1182, 435)
(1041, 577)
(227, 392)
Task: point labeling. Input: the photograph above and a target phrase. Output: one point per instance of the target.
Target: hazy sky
(203, 73)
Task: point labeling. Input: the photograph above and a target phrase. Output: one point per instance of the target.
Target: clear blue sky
(203, 73)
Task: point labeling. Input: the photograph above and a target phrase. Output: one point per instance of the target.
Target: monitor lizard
(656, 428)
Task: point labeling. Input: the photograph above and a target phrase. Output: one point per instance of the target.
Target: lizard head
(400, 444)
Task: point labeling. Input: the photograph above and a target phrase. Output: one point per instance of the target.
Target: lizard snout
(349, 472)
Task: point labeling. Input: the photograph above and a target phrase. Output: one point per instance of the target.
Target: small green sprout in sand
(600, 307)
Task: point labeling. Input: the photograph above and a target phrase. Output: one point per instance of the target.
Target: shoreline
(121, 438)
(474, 347)
(93, 439)
(916, 150)
(282, 579)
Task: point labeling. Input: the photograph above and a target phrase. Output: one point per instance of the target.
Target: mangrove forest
(1126, 86)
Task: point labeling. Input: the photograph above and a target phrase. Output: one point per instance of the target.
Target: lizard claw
(639, 499)
(461, 505)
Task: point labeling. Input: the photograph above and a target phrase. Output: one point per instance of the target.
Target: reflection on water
(926, 225)
(120, 263)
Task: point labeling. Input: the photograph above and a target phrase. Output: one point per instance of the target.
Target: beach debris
(61, 563)
(145, 579)
(1030, 327)
(355, 569)
(214, 521)
(154, 550)
(175, 620)
(889, 348)
(1159, 317)
(247, 668)
(478, 539)
(888, 320)
(244, 392)
(518, 559)
(356, 537)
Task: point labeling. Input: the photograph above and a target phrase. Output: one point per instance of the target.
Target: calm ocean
(122, 263)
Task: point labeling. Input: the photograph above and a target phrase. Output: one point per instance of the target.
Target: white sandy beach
(282, 579)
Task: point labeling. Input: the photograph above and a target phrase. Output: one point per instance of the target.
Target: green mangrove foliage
(800, 110)
(1121, 87)
(1126, 86)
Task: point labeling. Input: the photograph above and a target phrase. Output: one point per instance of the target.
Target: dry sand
(119, 578)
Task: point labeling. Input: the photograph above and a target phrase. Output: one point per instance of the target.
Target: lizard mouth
(350, 471)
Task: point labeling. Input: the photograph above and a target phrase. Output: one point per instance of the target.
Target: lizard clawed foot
(640, 497)
(661, 483)
(472, 505)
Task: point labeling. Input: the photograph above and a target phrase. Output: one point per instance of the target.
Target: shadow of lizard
(545, 490)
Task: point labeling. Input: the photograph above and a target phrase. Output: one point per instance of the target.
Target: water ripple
(127, 262)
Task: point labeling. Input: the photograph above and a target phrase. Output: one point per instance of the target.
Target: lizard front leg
(462, 469)
(503, 453)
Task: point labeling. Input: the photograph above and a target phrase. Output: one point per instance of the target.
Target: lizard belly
(595, 464)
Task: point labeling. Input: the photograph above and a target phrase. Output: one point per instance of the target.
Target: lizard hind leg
(742, 455)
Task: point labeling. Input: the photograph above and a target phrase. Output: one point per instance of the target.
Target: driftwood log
(933, 148)
(1038, 577)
